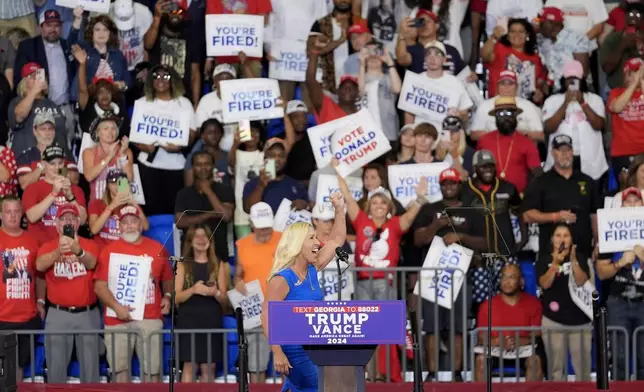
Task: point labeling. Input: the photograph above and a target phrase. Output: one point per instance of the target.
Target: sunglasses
(164, 76)
(505, 113)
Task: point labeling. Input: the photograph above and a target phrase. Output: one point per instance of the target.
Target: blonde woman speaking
(298, 258)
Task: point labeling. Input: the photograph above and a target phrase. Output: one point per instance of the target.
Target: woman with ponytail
(298, 258)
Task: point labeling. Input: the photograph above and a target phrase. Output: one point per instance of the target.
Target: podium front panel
(336, 323)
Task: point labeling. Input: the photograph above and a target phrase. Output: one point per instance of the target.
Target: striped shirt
(11, 9)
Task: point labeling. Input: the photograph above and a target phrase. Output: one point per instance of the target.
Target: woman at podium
(298, 258)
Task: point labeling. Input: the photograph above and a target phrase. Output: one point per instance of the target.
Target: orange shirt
(69, 283)
(18, 288)
(45, 229)
(256, 259)
(628, 138)
(160, 272)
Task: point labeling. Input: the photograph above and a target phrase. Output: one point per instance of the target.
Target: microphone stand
(418, 366)
(341, 255)
(489, 265)
(243, 351)
(175, 261)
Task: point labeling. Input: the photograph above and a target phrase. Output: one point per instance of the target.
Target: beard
(507, 125)
(131, 238)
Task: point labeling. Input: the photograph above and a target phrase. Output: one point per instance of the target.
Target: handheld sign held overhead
(290, 60)
(227, 35)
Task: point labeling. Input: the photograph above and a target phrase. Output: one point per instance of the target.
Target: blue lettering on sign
(330, 284)
(126, 283)
(407, 186)
(238, 36)
(447, 263)
(251, 306)
(166, 128)
(357, 194)
(427, 100)
(252, 100)
(290, 61)
(625, 230)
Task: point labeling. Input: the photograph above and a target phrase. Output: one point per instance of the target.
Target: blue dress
(303, 377)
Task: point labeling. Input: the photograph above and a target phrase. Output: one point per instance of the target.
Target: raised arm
(352, 205)
(338, 233)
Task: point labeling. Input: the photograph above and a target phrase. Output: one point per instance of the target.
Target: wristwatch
(81, 253)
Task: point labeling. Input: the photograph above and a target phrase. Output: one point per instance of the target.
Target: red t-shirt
(508, 58)
(525, 313)
(617, 18)
(45, 229)
(18, 288)
(161, 272)
(524, 156)
(27, 168)
(627, 126)
(69, 283)
(479, 6)
(110, 231)
(376, 254)
(329, 111)
(247, 7)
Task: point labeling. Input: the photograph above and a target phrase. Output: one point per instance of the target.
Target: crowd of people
(543, 131)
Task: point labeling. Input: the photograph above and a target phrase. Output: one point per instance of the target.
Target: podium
(339, 337)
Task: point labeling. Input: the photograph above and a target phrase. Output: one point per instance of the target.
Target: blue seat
(161, 230)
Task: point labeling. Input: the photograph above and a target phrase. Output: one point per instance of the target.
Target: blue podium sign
(336, 323)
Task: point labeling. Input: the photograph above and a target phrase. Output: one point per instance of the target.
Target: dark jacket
(33, 49)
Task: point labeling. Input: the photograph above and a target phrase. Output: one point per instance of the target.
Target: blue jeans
(629, 315)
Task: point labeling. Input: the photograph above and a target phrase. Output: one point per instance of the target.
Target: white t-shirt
(168, 160)
(528, 121)
(529, 9)
(448, 82)
(581, 15)
(587, 143)
(210, 107)
(131, 41)
(245, 162)
(292, 19)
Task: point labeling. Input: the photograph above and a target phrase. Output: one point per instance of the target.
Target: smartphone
(68, 231)
(445, 135)
(40, 74)
(573, 85)
(172, 6)
(123, 185)
(244, 131)
(62, 171)
(503, 22)
(562, 247)
(417, 23)
(269, 167)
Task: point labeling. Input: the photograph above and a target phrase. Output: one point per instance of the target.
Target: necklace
(507, 158)
(302, 278)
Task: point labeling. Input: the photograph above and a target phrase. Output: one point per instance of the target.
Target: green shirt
(611, 43)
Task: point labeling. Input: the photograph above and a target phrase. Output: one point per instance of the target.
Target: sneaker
(431, 377)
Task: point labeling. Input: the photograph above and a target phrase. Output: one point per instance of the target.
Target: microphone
(176, 259)
(341, 255)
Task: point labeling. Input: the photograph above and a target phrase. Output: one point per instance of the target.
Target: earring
(389, 215)
(527, 39)
(369, 216)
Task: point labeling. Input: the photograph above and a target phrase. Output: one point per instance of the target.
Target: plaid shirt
(11, 9)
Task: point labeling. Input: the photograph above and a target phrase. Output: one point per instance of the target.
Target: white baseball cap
(123, 14)
(296, 106)
(224, 68)
(323, 212)
(261, 215)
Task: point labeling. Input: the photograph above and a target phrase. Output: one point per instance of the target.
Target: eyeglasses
(505, 113)
(164, 76)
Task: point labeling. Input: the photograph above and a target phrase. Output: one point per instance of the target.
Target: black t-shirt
(499, 199)
(454, 63)
(190, 199)
(557, 303)
(464, 221)
(551, 193)
(628, 283)
(301, 161)
(89, 114)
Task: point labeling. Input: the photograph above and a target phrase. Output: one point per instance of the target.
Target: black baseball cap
(561, 140)
(53, 152)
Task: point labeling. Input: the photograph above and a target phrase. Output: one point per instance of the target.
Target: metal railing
(395, 285)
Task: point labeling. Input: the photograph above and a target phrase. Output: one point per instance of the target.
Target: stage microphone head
(341, 254)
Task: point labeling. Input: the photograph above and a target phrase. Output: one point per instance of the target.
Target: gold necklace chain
(507, 158)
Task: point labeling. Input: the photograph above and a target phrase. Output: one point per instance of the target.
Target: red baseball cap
(129, 210)
(552, 14)
(348, 78)
(631, 191)
(449, 175)
(67, 208)
(507, 75)
(29, 68)
(429, 13)
(359, 29)
(632, 65)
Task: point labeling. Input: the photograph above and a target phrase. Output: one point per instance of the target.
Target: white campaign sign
(98, 6)
(328, 184)
(227, 35)
(329, 282)
(358, 143)
(620, 229)
(285, 216)
(522, 352)
(421, 97)
(450, 265)
(128, 279)
(582, 295)
(533, 234)
(86, 142)
(152, 125)
(251, 304)
(250, 99)
(290, 60)
(320, 139)
(403, 180)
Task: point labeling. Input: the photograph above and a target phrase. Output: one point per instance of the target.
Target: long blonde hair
(289, 247)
